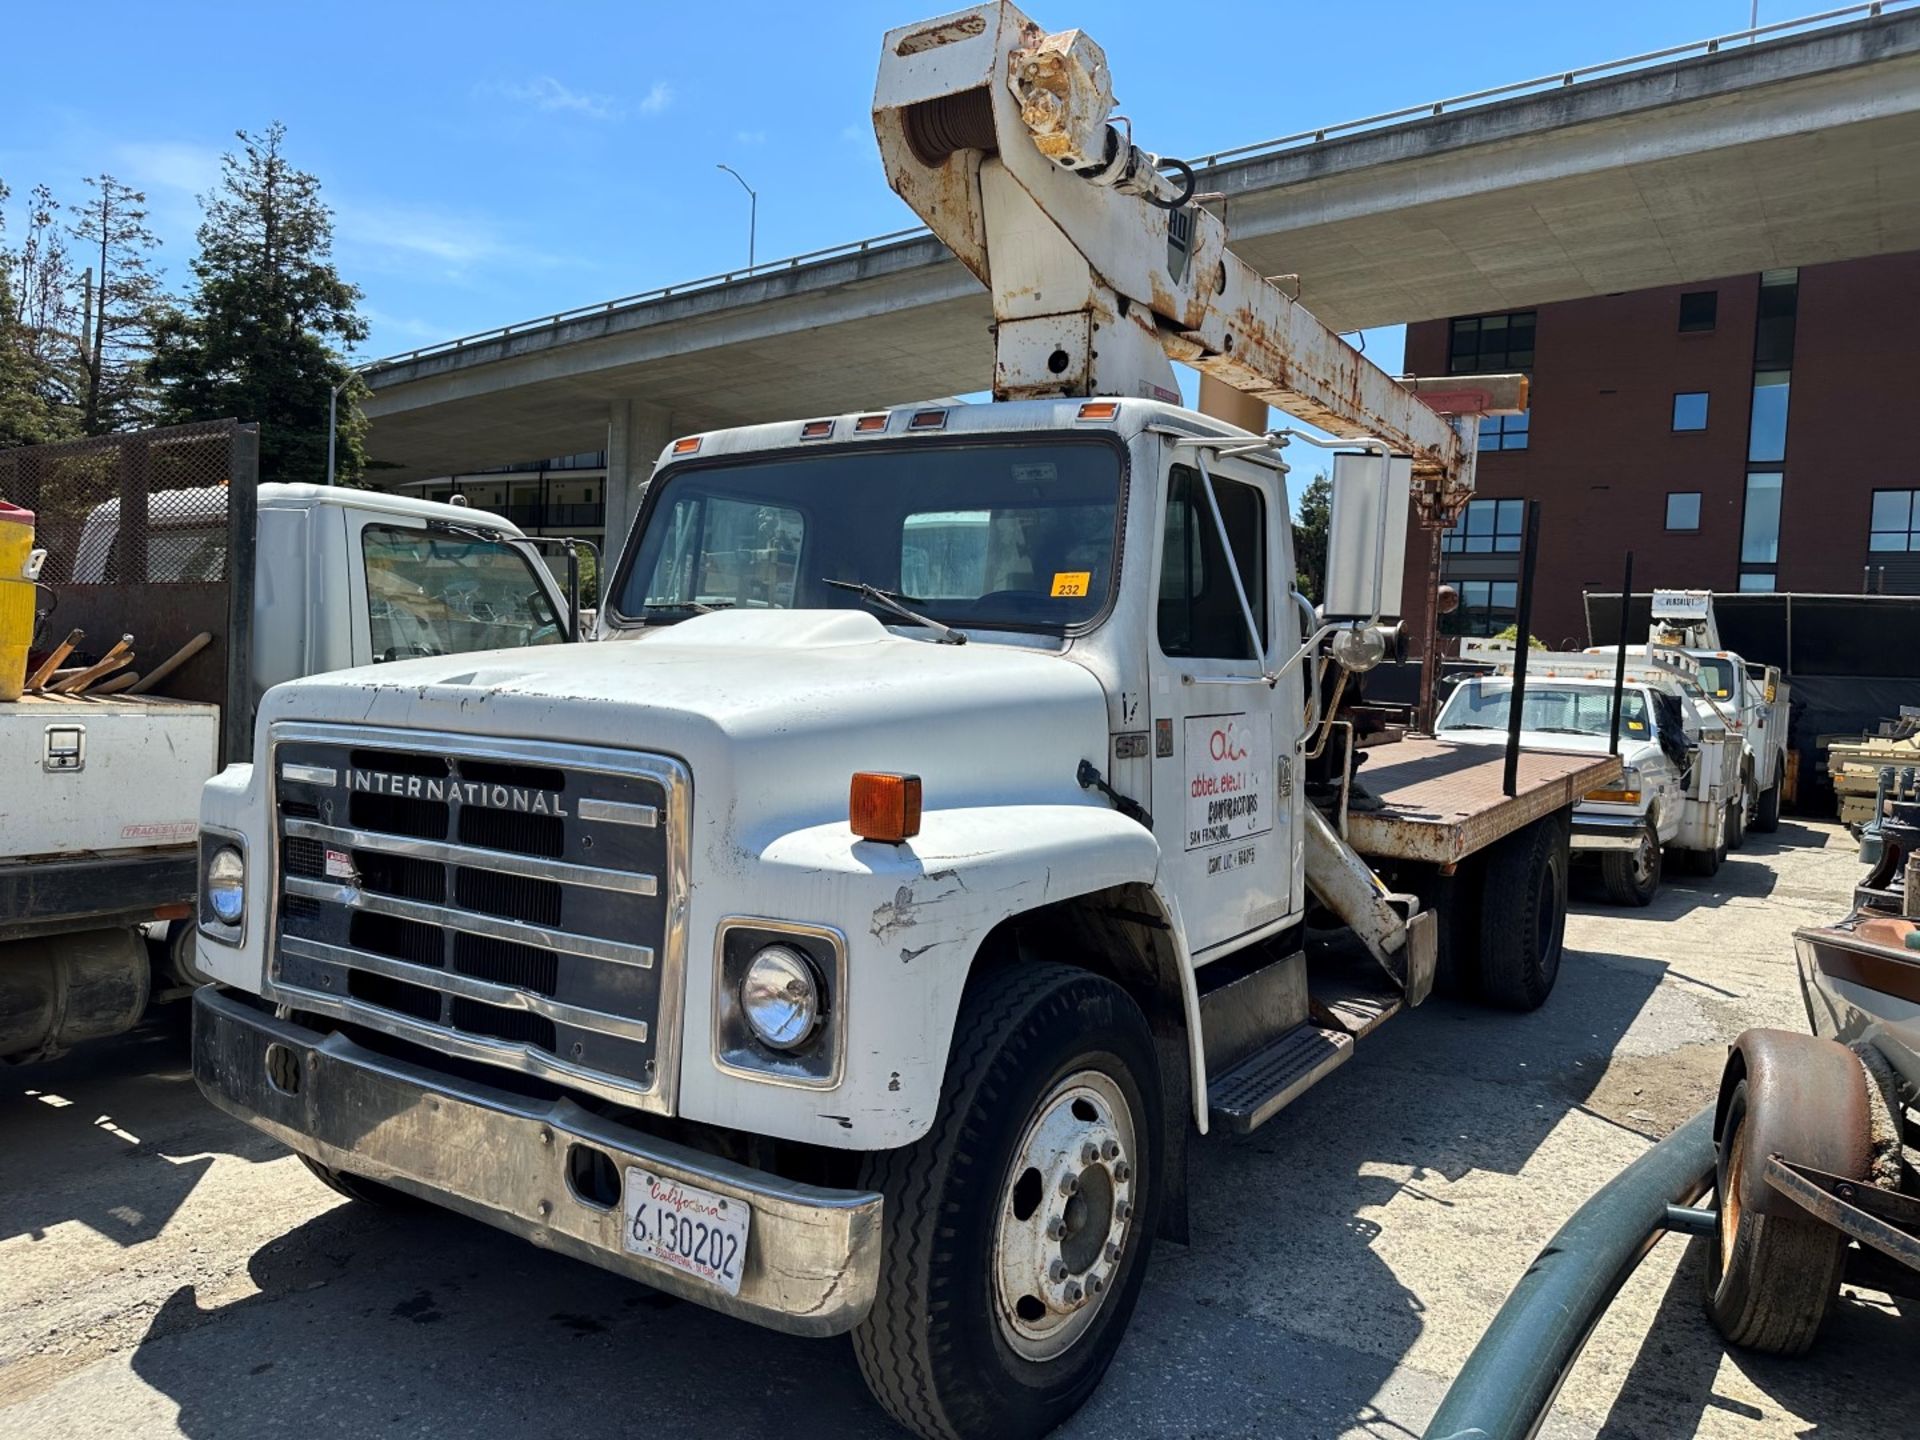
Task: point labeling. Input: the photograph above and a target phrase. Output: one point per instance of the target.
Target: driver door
(1223, 737)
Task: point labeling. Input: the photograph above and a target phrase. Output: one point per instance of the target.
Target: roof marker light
(689, 446)
(1099, 410)
(868, 423)
(816, 430)
(928, 420)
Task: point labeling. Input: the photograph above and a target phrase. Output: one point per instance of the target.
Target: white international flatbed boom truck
(851, 938)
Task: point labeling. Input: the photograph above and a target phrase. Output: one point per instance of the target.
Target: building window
(1760, 580)
(1493, 345)
(1486, 607)
(1767, 436)
(1760, 530)
(1683, 510)
(1698, 310)
(1690, 410)
(1774, 323)
(1896, 521)
(1487, 527)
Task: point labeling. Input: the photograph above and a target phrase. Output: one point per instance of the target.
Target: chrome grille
(512, 902)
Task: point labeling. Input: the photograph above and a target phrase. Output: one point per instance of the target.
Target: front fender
(913, 917)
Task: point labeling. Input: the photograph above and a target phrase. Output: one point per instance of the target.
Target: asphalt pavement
(166, 1272)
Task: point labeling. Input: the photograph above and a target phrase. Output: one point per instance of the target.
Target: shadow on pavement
(118, 1134)
(1855, 1383)
(1280, 1319)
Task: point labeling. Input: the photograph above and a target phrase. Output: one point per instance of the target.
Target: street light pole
(753, 209)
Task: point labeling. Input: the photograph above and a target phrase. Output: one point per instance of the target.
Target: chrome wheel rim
(1643, 861)
(1066, 1211)
(1730, 1207)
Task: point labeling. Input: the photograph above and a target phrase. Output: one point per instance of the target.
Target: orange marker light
(867, 423)
(928, 420)
(1099, 410)
(884, 807)
(816, 429)
(687, 446)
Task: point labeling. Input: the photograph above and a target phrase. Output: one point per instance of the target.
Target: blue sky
(491, 162)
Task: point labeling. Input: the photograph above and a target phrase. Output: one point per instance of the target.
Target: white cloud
(658, 97)
(544, 92)
(750, 137)
(169, 165)
(406, 237)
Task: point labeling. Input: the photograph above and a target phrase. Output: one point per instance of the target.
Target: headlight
(227, 885)
(780, 997)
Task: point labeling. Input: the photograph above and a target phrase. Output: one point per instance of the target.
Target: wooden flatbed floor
(1441, 802)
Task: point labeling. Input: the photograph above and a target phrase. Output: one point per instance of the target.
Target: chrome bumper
(1599, 832)
(813, 1255)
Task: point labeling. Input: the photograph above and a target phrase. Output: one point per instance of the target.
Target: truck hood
(1632, 752)
(772, 710)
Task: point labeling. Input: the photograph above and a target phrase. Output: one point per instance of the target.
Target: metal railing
(1299, 139)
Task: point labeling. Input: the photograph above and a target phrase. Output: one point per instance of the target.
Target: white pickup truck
(1678, 791)
(1750, 699)
(100, 794)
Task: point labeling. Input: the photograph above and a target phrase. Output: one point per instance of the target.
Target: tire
(358, 1187)
(1047, 1060)
(1766, 815)
(1633, 877)
(1744, 805)
(1523, 916)
(1770, 1278)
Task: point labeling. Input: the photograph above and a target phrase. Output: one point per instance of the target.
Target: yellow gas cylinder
(19, 565)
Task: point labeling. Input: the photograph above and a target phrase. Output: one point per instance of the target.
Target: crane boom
(1103, 268)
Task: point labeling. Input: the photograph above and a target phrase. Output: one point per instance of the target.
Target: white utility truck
(100, 800)
(1680, 778)
(1751, 698)
(851, 941)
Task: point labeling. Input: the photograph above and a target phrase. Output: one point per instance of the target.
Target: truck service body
(851, 937)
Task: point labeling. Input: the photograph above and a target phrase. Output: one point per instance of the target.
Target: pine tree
(253, 342)
(1310, 539)
(121, 306)
(37, 373)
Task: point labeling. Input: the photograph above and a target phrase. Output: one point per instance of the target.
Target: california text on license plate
(688, 1228)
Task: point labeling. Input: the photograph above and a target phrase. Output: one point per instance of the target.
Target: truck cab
(219, 602)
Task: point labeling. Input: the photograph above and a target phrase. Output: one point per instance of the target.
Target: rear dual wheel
(1523, 916)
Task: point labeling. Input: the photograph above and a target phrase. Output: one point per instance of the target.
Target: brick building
(1737, 435)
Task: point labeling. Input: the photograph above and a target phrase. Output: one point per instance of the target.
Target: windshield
(430, 593)
(1562, 709)
(1717, 675)
(989, 535)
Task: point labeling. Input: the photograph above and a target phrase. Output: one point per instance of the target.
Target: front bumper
(813, 1255)
(1596, 832)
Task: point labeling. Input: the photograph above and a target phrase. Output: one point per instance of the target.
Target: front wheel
(1017, 1230)
(1632, 877)
(1771, 1278)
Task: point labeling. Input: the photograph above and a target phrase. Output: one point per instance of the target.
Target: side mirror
(1367, 536)
(1773, 683)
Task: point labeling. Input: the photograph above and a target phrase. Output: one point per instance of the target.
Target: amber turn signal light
(884, 807)
(1615, 797)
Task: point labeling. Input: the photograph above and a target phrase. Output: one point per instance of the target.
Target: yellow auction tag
(1635, 725)
(1070, 583)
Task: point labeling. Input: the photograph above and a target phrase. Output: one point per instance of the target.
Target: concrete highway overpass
(1797, 149)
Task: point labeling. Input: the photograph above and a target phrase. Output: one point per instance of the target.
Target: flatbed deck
(1441, 802)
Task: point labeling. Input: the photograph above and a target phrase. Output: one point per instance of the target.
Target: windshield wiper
(886, 600)
(1558, 730)
(1474, 725)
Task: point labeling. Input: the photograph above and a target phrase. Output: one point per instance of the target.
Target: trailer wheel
(1523, 916)
(1766, 815)
(358, 1187)
(1632, 877)
(1770, 1278)
(1017, 1230)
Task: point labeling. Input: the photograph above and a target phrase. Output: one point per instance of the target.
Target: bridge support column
(636, 433)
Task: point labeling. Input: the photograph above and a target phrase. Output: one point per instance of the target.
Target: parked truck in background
(100, 804)
(852, 941)
(1751, 698)
(1681, 769)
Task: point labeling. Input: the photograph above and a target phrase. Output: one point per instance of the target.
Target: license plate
(691, 1229)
